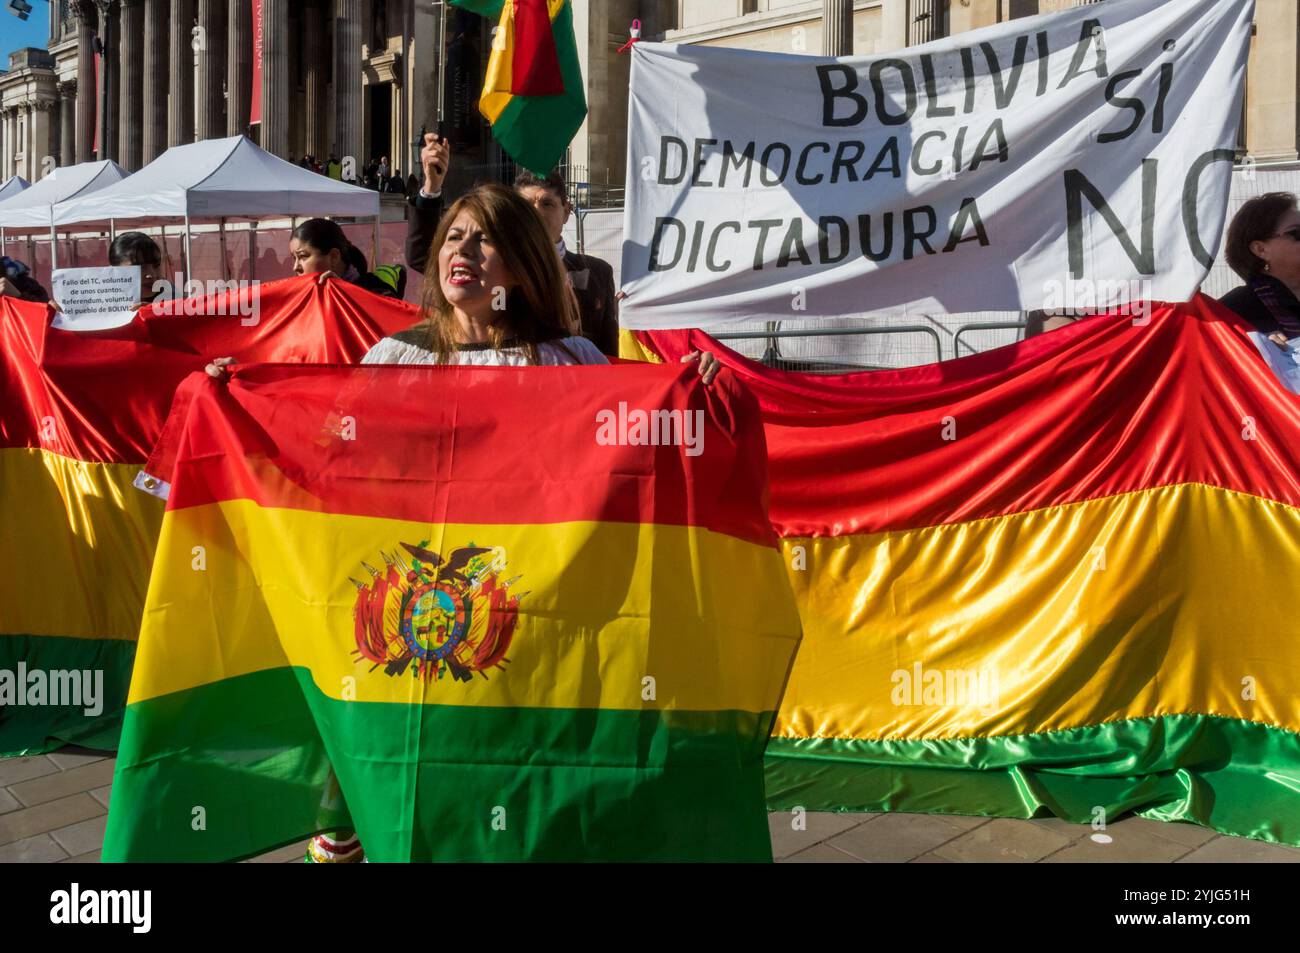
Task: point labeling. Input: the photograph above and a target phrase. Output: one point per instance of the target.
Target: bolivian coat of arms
(433, 616)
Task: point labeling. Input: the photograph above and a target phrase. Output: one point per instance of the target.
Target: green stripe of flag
(433, 782)
(1233, 776)
(27, 729)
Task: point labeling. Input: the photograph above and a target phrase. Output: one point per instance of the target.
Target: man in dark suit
(591, 279)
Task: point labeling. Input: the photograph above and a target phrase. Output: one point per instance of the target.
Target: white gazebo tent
(217, 180)
(11, 187)
(33, 209)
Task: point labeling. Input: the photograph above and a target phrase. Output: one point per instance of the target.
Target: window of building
(926, 20)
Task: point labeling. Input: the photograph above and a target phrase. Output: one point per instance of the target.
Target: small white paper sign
(1284, 363)
(93, 299)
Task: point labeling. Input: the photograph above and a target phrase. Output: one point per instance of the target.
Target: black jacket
(591, 278)
(1246, 304)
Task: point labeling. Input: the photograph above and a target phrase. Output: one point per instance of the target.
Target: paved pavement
(53, 808)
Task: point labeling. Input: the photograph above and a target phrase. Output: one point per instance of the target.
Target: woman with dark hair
(1263, 247)
(319, 247)
(137, 248)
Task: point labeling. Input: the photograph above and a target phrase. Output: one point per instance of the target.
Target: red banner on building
(99, 119)
(255, 96)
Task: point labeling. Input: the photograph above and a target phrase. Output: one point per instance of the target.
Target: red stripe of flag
(535, 68)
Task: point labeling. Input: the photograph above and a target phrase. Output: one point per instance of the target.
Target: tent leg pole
(54, 250)
(374, 252)
(188, 263)
(225, 265)
(252, 251)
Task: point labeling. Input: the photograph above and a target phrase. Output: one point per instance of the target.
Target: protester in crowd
(333, 168)
(591, 278)
(412, 187)
(383, 168)
(16, 281)
(490, 239)
(137, 248)
(319, 247)
(396, 185)
(1263, 248)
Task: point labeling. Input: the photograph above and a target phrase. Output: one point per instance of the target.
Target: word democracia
(823, 162)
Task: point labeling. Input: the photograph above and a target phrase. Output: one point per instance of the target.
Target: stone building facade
(360, 78)
(338, 77)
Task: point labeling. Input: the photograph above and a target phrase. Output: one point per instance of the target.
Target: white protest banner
(92, 299)
(1074, 159)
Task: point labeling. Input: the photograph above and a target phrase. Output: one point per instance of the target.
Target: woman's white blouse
(391, 351)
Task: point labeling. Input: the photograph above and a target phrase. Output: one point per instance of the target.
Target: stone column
(239, 66)
(157, 81)
(85, 145)
(347, 81)
(315, 80)
(6, 145)
(131, 74)
(39, 126)
(837, 27)
(209, 99)
(68, 124)
(107, 94)
(180, 57)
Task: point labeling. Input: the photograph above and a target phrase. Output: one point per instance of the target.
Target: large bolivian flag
(1056, 578)
(79, 414)
(475, 613)
(532, 91)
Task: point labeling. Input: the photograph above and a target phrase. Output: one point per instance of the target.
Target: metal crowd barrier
(983, 326)
(772, 356)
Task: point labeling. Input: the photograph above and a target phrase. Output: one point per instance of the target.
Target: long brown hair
(541, 307)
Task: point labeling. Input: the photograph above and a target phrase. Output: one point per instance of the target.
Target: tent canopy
(218, 178)
(11, 187)
(31, 209)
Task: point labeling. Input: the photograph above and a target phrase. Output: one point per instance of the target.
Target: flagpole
(442, 65)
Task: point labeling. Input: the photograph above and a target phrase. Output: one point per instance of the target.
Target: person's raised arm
(427, 204)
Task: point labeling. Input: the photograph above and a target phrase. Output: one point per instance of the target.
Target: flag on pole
(532, 93)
